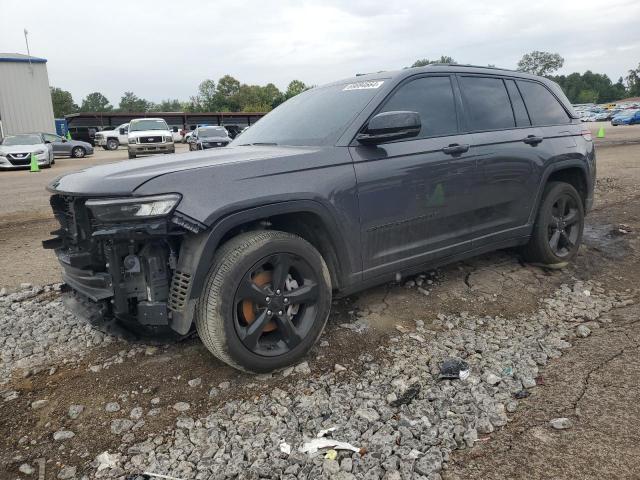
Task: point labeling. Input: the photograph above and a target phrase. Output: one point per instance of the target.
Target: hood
(22, 148)
(122, 178)
(214, 139)
(148, 133)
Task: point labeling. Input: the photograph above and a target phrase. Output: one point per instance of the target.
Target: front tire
(112, 144)
(132, 156)
(266, 301)
(557, 233)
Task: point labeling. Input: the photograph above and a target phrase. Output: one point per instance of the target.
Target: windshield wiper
(257, 143)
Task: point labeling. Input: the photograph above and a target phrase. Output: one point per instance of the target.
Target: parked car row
(607, 112)
(16, 150)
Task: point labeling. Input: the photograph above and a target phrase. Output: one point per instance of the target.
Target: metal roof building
(25, 99)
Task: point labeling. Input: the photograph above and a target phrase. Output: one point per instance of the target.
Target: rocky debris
(302, 368)
(67, 473)
(136, 413)
(75, 411)
(37, 330)
(196, 382)
(39, 404)
(583, 331)
(491, 378)
(339, 368)
(224, 385)
(26, 469)
(61, 435)
(561, 423)
(112, 407)
(121, 425)
(181, 406)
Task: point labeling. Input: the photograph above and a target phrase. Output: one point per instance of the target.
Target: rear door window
(543, 107)
(432, 98)
(487, 103)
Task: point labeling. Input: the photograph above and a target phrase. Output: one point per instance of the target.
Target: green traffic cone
(68, 135)
(34, 163)
(601, 132)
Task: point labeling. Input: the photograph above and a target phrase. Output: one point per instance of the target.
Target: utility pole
(26, 40)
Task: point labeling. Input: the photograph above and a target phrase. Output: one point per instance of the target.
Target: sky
(163, 49)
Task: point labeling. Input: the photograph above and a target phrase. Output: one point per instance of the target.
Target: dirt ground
(596, 384)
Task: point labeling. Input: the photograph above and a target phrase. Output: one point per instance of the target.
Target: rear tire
(78, 152)
(283, 331)
(557, 233)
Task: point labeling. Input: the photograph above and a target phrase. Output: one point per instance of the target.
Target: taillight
(586, 134)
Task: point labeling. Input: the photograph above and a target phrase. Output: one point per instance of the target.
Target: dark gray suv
(342, 187)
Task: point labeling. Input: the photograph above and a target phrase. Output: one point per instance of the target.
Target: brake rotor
(249, 308)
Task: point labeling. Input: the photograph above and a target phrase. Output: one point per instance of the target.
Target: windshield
(22, 140)
(148, 125)
(315, 117)
(212, 132)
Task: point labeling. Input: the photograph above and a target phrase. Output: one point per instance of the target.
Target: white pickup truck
(149, 136)
(112, 139)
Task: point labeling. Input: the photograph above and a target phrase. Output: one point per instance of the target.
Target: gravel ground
(402, 420)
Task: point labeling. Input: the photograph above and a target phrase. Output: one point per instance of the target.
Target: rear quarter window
(543, 107)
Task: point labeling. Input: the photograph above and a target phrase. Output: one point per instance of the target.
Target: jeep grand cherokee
(342, 187)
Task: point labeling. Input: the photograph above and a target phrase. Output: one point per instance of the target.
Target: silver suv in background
(148, 136)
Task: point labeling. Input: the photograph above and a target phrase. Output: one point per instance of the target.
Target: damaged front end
(122, 254)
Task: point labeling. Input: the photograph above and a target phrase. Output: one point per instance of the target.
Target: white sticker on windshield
(364, 85)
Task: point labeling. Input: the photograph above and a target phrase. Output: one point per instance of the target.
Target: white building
(25, 99)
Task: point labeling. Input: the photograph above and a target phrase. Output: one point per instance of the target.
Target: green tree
(130, 102)
(226, 91)
(62, 102)
(633, 82)
(169, 106)
(96, 102)
(294, 88)
(590, 87)
(587, 96)
(206, 99)
(423, 62)
(540, 63)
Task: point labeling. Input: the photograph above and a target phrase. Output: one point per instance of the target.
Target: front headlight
(133, 140)
(168, 139)
(39, 152)
(119, 209)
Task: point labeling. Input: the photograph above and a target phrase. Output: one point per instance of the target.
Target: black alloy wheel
(275, 304)
(564, 226)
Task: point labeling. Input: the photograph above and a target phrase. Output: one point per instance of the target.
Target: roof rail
(469, 65)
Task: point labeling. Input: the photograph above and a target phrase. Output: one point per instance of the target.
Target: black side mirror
(175, 129)
(122, 132)
(390, 126)
(63, 140)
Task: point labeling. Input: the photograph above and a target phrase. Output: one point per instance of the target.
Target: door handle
(455, 148)
(532, 140)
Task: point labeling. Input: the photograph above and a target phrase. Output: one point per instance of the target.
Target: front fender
(197, 253)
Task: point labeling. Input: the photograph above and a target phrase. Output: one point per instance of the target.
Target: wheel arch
(572, 172)
(308, 219)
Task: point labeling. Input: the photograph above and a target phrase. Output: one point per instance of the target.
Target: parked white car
(149, 136)
(112, 139)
